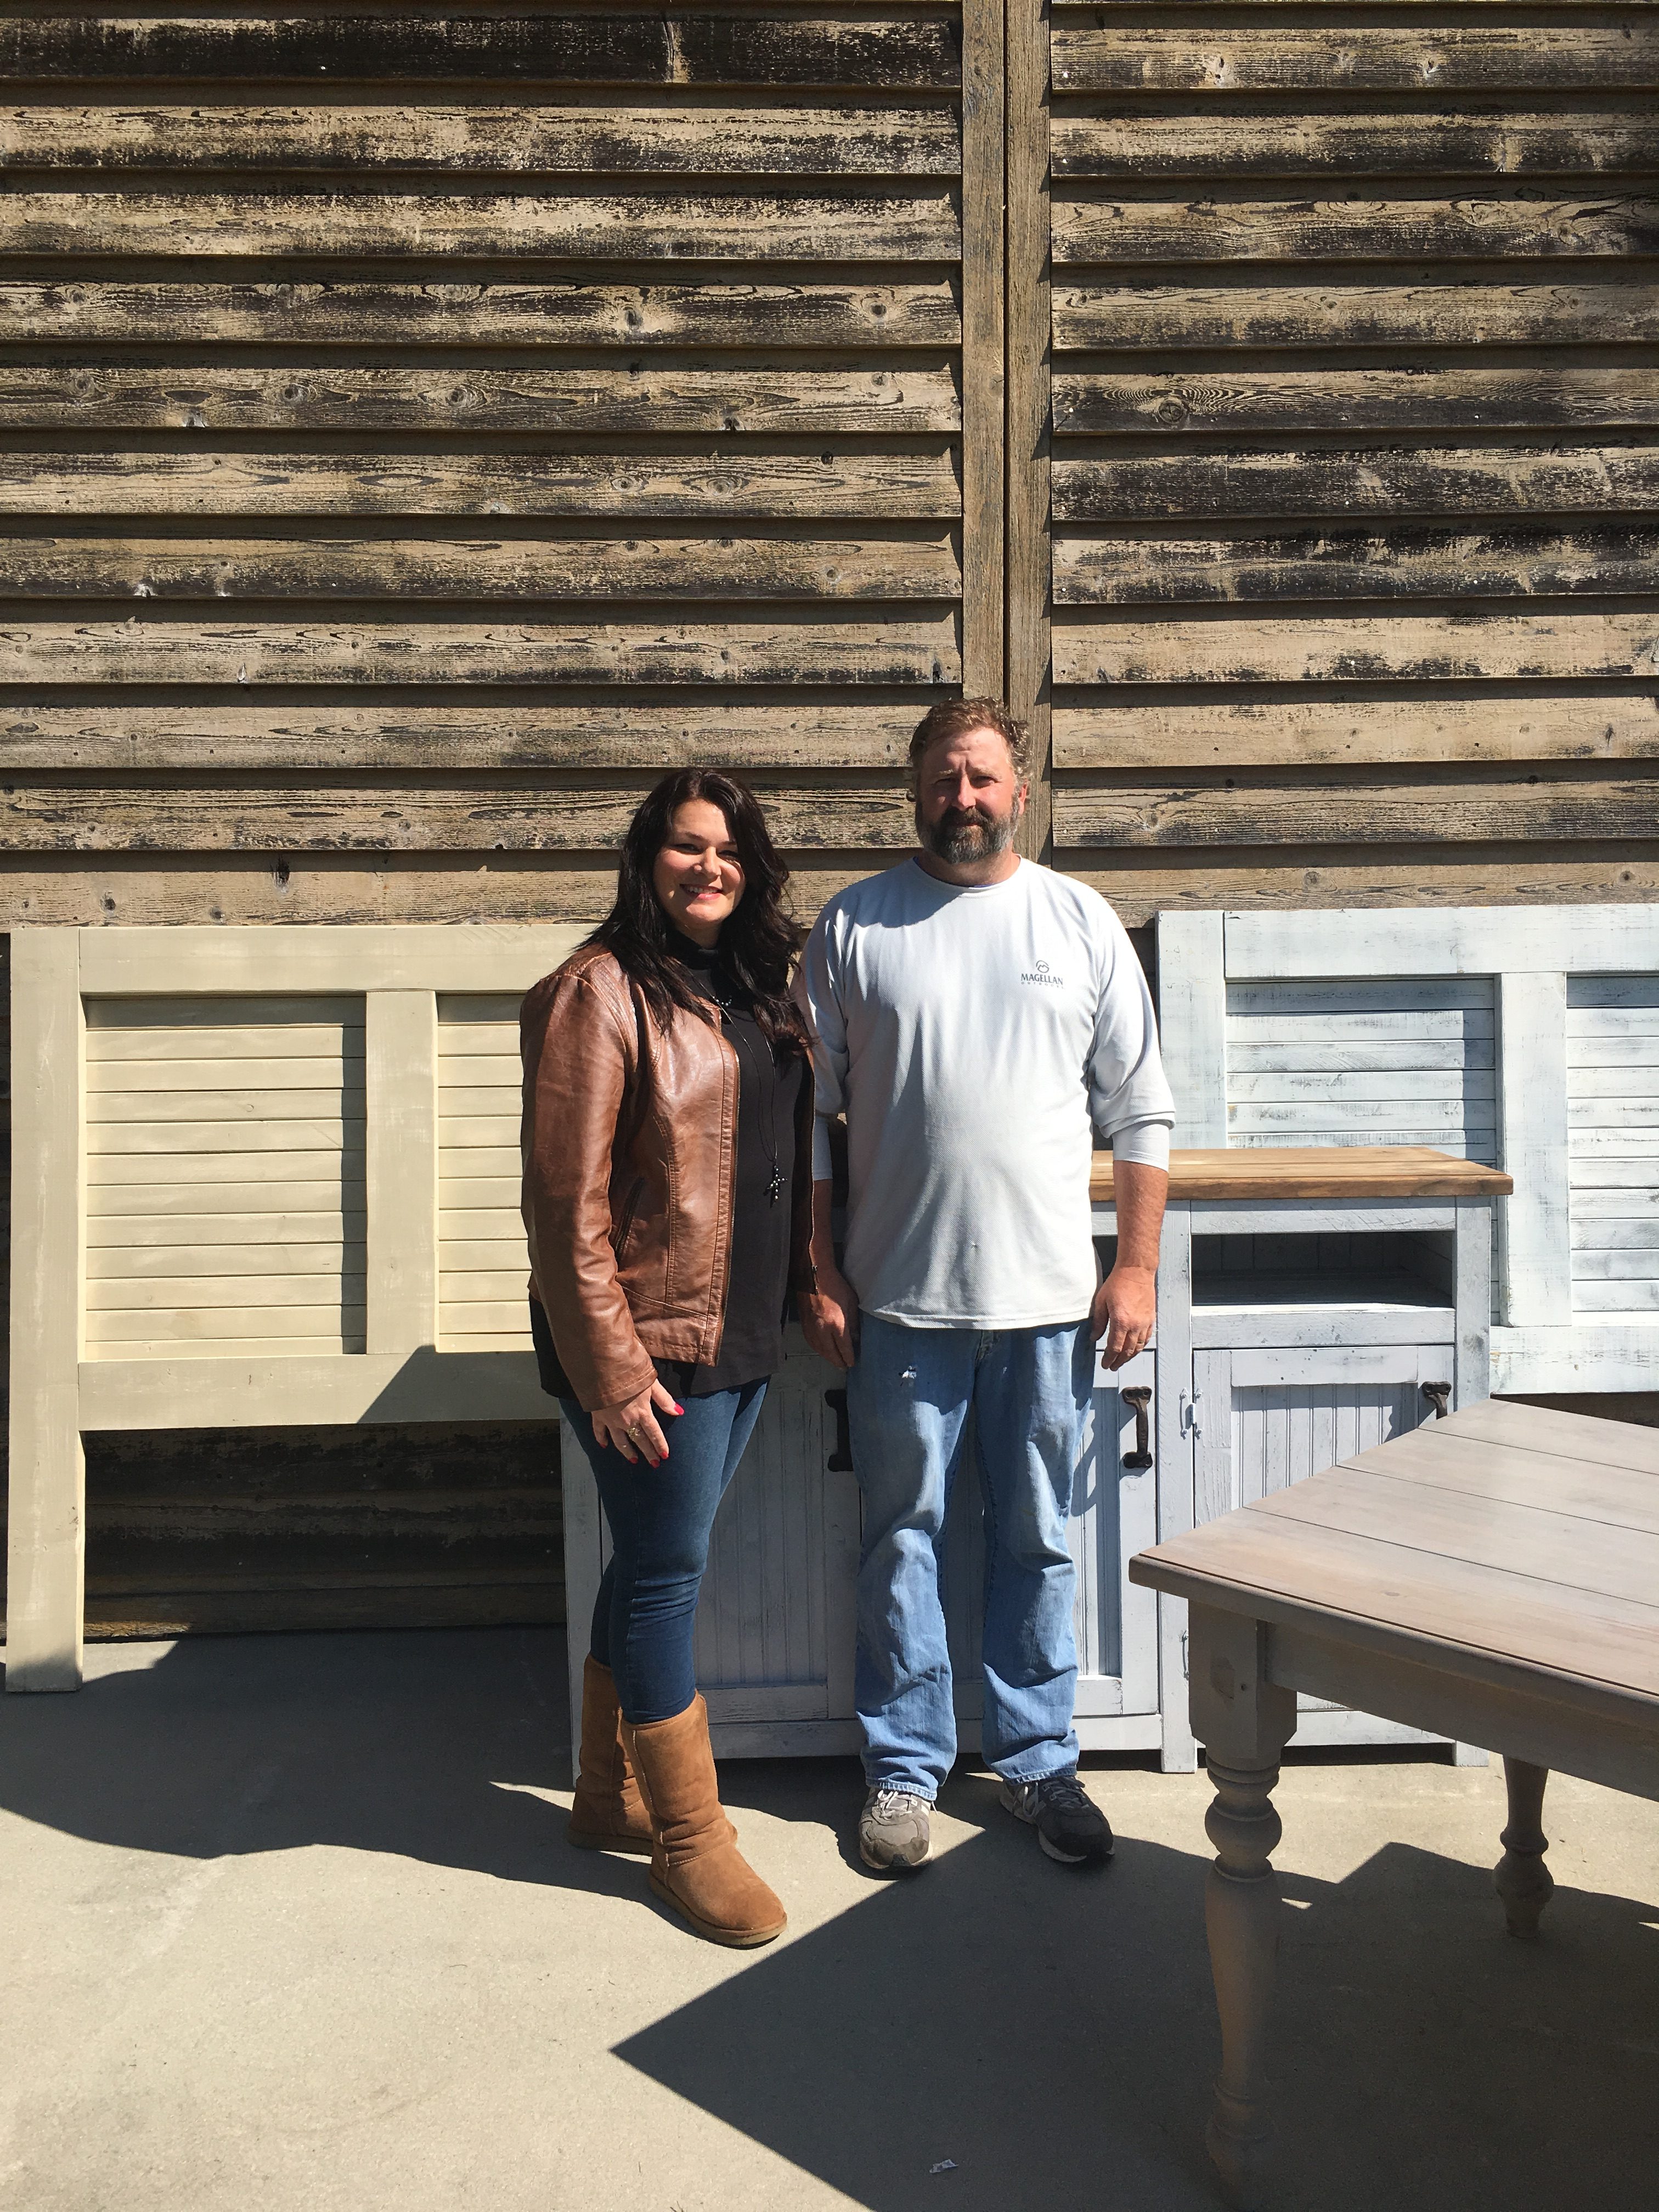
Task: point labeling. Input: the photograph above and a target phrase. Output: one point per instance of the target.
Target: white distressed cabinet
(1527, 1036)
(1311, 1304)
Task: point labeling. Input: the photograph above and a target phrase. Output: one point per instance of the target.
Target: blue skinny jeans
(660, 1518)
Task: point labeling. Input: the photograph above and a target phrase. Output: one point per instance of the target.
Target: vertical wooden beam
(1472, 1378)
(400, 1091)
(1192, 1020)
(1536, 1238)
(46, 1542)
(982, 370)
(1175, 1462)
(1028, 409)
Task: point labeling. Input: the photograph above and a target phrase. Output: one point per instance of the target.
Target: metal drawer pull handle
(1438, 1395)
(1141, 1457)
(840, 1460)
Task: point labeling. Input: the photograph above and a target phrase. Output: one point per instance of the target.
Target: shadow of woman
(443, 1745)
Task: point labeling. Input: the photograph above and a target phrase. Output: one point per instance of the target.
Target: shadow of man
(1053, 2037)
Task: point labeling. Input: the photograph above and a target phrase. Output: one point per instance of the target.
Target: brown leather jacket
(629, 1147)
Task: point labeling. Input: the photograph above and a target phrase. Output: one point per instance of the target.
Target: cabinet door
(1113, 1514)
(1266, 1418)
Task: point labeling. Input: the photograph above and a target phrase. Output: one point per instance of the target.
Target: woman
(667, 1195)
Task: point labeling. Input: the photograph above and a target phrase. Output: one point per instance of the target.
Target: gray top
(975, 1038)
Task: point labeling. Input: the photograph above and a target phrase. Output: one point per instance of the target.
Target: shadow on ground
(1032, 2026)
(1050, 2034)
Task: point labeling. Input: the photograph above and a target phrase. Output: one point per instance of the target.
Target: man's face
(968, 799)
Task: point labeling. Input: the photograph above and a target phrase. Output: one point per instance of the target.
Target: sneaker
(894, 1834)
(1070, 1828)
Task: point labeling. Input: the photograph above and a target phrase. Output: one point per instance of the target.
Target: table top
(1505, 1542)
(1317, 1171)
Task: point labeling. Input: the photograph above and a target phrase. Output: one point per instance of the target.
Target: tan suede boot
(607, 1813)
(696, 1865)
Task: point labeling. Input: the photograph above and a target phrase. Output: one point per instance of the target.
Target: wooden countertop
(1318, 1171)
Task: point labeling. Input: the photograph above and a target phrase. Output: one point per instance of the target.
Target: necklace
(769, 1135)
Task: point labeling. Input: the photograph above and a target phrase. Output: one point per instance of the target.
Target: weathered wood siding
(417, 431)
(1354, 469)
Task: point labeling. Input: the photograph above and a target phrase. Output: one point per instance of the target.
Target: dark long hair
(757, 941)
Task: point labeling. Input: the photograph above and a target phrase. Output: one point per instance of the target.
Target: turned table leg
(1244, 1722)
(1521, 1878)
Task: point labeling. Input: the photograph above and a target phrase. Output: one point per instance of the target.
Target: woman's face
(698, 878)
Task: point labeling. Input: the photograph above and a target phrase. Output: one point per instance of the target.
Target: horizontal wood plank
(1380, 480)
(241, 1293)
(320, 813)
(1315, 734)
(1510, 559)
(1169, 649)
(1390, 312)
(566, 310)
(587, 138)
(699, 565)
(1377, 57)
(834, 397)
(712, 480)
(1530, 226)
(154, 1199)
(1346, 400)
(1370, 813)
(903, 651)
(618, 46)
(1270, 144)
(415, 738)
(922, 225)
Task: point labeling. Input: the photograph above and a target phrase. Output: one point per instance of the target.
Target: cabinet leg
(1241, 1917)
(1521, 1878)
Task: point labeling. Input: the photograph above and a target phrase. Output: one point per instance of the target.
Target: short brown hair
(955, 717)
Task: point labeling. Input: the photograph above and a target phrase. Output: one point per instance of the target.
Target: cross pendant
(774, 1188)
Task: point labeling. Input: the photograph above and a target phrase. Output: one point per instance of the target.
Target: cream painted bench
(1523, 1036)
(262, 1177)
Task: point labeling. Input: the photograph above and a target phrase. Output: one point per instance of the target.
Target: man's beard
(963, 836)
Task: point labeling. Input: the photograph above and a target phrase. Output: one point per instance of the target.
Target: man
(972, 1014)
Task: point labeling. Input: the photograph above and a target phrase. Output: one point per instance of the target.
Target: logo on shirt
(1041, 972)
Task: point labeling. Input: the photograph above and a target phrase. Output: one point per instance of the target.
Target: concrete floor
(290, 1927)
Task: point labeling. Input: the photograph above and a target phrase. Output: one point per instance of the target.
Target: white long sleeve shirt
(976, 1036)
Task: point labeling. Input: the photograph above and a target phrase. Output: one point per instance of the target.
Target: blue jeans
(907, 1405)
(659, 1519)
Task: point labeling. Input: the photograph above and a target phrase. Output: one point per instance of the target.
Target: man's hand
(829, 1318)
(1125, 1308)
(632, 1429)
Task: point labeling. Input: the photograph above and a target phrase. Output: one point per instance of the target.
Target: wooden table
(1493, 1577)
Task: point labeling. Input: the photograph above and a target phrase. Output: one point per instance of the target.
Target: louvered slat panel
(225, 1205)
(483, 1266)
(1612, 1138)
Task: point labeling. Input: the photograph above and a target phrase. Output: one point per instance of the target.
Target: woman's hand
(632, 1428)
(829, 1318)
